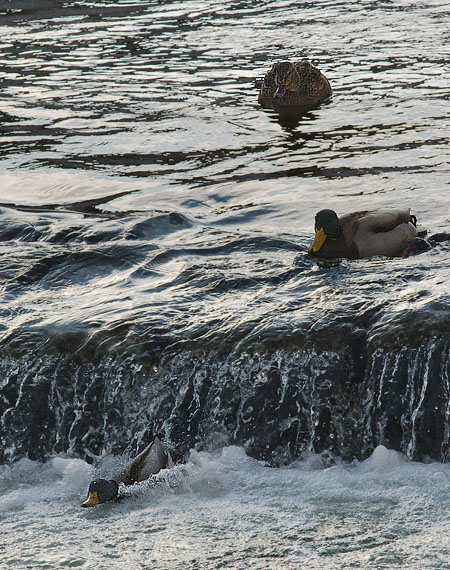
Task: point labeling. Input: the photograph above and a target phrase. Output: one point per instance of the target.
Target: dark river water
(154, 229)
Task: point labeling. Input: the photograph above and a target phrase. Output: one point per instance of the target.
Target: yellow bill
(318, 242)
(91, 501)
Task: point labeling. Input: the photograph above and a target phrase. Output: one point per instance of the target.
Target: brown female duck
(288, 85)
(148, 462)
(362, 234)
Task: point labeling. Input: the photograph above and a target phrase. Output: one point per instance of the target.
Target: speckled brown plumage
(302, 85)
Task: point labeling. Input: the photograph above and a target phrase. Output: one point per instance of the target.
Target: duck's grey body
(382, 233)
(362, 234)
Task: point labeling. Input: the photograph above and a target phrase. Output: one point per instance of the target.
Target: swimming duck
(148, 462)
(363, 234)
(298, 84)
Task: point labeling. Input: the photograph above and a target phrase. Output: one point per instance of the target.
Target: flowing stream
(154, 278)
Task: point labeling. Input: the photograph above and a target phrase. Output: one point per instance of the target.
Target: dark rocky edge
(279, 402)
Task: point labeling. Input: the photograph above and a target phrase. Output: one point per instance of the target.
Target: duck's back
(149, 462)
(382, 232)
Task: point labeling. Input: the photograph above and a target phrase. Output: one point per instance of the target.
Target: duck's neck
(335, 248)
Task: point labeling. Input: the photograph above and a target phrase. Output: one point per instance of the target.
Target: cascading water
(278, 404)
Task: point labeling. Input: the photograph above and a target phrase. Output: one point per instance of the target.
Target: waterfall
(277, 403)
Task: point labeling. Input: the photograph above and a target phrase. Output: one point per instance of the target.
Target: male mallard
(298, 84)
(148, 462)
(362, 234)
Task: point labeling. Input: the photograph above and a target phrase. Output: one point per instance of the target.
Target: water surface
(154, 276)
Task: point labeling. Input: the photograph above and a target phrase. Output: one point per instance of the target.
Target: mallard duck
(362, 234)
(148, 462)
(288, 85)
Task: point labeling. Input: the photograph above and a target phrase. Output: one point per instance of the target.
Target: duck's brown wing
(383, 221)
(349, 224)
(314, 83)
(148, 462)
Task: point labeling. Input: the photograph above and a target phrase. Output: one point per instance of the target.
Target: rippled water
(149, 207)
(135, 160)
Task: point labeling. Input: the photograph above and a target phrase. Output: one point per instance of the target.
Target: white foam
(26, 482)
(225, 506)
(383, 460)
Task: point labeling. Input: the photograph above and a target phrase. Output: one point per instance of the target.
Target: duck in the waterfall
(363, 234)
(150, 461)
(289, 85)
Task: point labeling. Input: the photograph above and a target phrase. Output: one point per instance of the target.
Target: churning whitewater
(223, 509)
